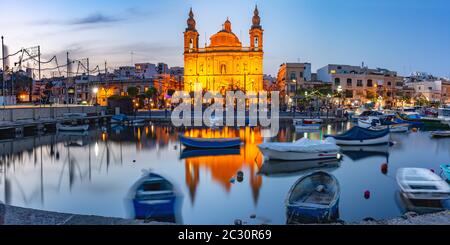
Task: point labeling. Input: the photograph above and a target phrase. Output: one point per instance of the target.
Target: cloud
(96, 18)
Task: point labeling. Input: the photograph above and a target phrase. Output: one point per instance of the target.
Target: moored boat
(314, 198)
(370, 121)
(67, 127)
(446, 171)
(362, 136)
(303, 149)
(421, 183)
(210, 143)
(440, 134)
(394, 128)
(307, 124)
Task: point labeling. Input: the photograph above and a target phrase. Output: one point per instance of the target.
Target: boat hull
(271, 154)
(73, 128)
(213, 143)
(377, 141)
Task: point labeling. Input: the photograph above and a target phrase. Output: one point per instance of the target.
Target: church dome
(225, 37)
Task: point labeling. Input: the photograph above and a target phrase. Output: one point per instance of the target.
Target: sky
(401, 35)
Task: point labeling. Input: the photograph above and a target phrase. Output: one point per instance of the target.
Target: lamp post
(339, 90)
(95, 91)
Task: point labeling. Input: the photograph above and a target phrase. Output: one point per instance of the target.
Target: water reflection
(288, 168)
(92, 174)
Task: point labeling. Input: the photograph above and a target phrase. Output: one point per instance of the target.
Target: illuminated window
(349, 82)
(256, 42)
(191, 43)
(223, 69)
(333, 71)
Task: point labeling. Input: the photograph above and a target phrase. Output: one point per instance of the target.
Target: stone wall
(37, 113)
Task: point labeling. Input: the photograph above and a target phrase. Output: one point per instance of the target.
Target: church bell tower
(191, 35)
(256, 32)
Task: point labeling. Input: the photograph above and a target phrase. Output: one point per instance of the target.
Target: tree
(151, 92)
(132, 92)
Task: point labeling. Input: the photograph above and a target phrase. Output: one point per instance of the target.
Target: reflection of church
(225, 64)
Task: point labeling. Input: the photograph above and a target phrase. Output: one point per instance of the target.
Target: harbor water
(103, 172)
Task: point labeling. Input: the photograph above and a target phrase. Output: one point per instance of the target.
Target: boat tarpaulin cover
(358, 133)
(302, 145)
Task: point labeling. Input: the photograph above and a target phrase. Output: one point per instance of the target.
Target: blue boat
(412, 123)
(314, 198)
(210, 143)
(155, 198)
(190, 153)
(446, 170)
(362, 136)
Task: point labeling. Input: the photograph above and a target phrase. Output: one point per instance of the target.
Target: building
(162, 68)
(125, 72)
(145, 70)
(359, 84)
(291, 77)
(224, 64)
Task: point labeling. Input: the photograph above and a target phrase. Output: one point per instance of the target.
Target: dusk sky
(402, 35)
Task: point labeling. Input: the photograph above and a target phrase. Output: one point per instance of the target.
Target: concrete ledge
(25, 216)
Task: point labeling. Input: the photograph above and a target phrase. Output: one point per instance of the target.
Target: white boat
(440, 134)
(307, 124)
(421, 183)
(303, 149)
(65, 127)
(362, 136)
(370, 121)
(75, 115)
(394, 128)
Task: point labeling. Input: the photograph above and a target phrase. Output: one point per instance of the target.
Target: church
(225, 64)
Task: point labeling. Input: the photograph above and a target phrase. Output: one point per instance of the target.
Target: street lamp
(339, 90)
(95, 91)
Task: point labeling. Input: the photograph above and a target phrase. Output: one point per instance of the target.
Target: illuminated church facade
(225, 64)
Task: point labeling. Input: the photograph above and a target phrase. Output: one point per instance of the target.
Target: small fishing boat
(421, 183)
(276, 168)
(394, 128)
(154, 197)
(370, 121)
(75, 115)
(210, 143)
(302, 149)
(191, 153)
(446, 170)
(440, 134)
(118, 119)
(314, 198)
(420, 206)
(362, 136)
(307, 124)
(69, 127)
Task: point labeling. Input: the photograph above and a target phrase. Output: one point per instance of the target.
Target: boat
(191, 153)
(440, 134)
(68, 127)
(370, 121)
(420, 206)
(153, 197)
(118, 119)
(394, 128)
(362, 136)
(75, 115)
(421, 183)
(210, 143)
(307, 124)
(275, 168)
(446, 171)
(314, 198)
(302, 149)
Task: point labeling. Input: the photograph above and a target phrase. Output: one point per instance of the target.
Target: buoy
(367, 194)
(134, 161)
(232, 180)
(414, 130)
(384, 168)
(240, 174)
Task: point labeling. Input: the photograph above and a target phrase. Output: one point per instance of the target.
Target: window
(223, 69)
(430, 88)
(256, 42)
(359, 83)
(293, 76)
(369, 83)
(389, 83)
(349, 82)
(399, 84)
(337, 81)
(191, 43)
(301, 74)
